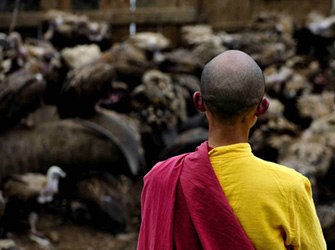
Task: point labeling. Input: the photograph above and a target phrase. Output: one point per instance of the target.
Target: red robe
(184, 207)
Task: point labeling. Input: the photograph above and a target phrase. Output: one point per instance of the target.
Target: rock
(7, 244)
(54, 237)
(40, 241)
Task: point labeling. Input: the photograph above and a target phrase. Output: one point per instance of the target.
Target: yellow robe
(273, 203)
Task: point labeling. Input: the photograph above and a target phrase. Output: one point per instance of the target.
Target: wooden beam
(231, 26)
(106, 4)
(65, 4)
(228, 12)
(171, 15)
(56, 4)
(47, 4)
(298, 9)
(145, 15)
(113, 4)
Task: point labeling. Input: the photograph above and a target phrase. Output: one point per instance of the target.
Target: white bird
(24, 195)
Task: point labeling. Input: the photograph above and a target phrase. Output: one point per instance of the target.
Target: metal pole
(132, 25)
(14, 16)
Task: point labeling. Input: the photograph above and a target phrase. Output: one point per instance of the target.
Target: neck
(52, 182)
(223, 135)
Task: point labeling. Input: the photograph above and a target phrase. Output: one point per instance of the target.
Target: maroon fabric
(183, 203)
(184, 233)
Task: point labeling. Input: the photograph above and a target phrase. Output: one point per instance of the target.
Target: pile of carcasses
(98, 109)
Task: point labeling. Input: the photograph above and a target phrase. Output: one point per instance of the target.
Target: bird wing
(24, 187)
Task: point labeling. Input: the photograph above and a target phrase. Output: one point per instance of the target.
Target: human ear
(198, 102)
(262, 107)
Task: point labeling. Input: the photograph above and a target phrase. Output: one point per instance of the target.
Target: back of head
(232, 84)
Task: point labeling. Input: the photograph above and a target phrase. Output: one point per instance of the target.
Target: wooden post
(56, 4)
(222, 13)
(114, 4)
(65, 4)
(295, 8)
(47, 4)
(106, 4)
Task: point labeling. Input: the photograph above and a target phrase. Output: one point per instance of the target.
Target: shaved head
(232, 84)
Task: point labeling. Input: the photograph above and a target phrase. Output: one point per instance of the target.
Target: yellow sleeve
(308, 232)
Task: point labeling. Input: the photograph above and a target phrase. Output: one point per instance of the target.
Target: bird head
(51, 187)
(55, 172)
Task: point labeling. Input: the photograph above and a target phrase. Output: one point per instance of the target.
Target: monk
(221, 196)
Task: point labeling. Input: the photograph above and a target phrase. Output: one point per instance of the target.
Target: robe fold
(184, 207)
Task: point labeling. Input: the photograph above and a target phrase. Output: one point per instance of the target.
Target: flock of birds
(107, 112)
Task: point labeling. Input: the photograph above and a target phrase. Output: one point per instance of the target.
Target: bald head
(232, 84)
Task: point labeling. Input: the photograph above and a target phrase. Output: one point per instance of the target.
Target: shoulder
(163, 168)
(287, 177)
(280, 169)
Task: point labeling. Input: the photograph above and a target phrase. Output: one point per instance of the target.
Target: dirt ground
(72, 236)
(63, 233)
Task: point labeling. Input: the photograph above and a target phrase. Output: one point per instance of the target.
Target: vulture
(208, 49)
(273, 136)
(80, 55)
(118, 98)
(326, 214)
(322, 130)
(321, 25)
(102, 194)
(195, 34)
(314, 106)
(9, 55)
(203, 42)
(83, 88)
(317, 37)
(67, 30)
(130, 62)
(159, 102)
(307, 157)
(24, 194)
(281, 23)
(21, 93)
(181, 61)
(149, 41)
(48, 58)
(186, 142)
(276, 79)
